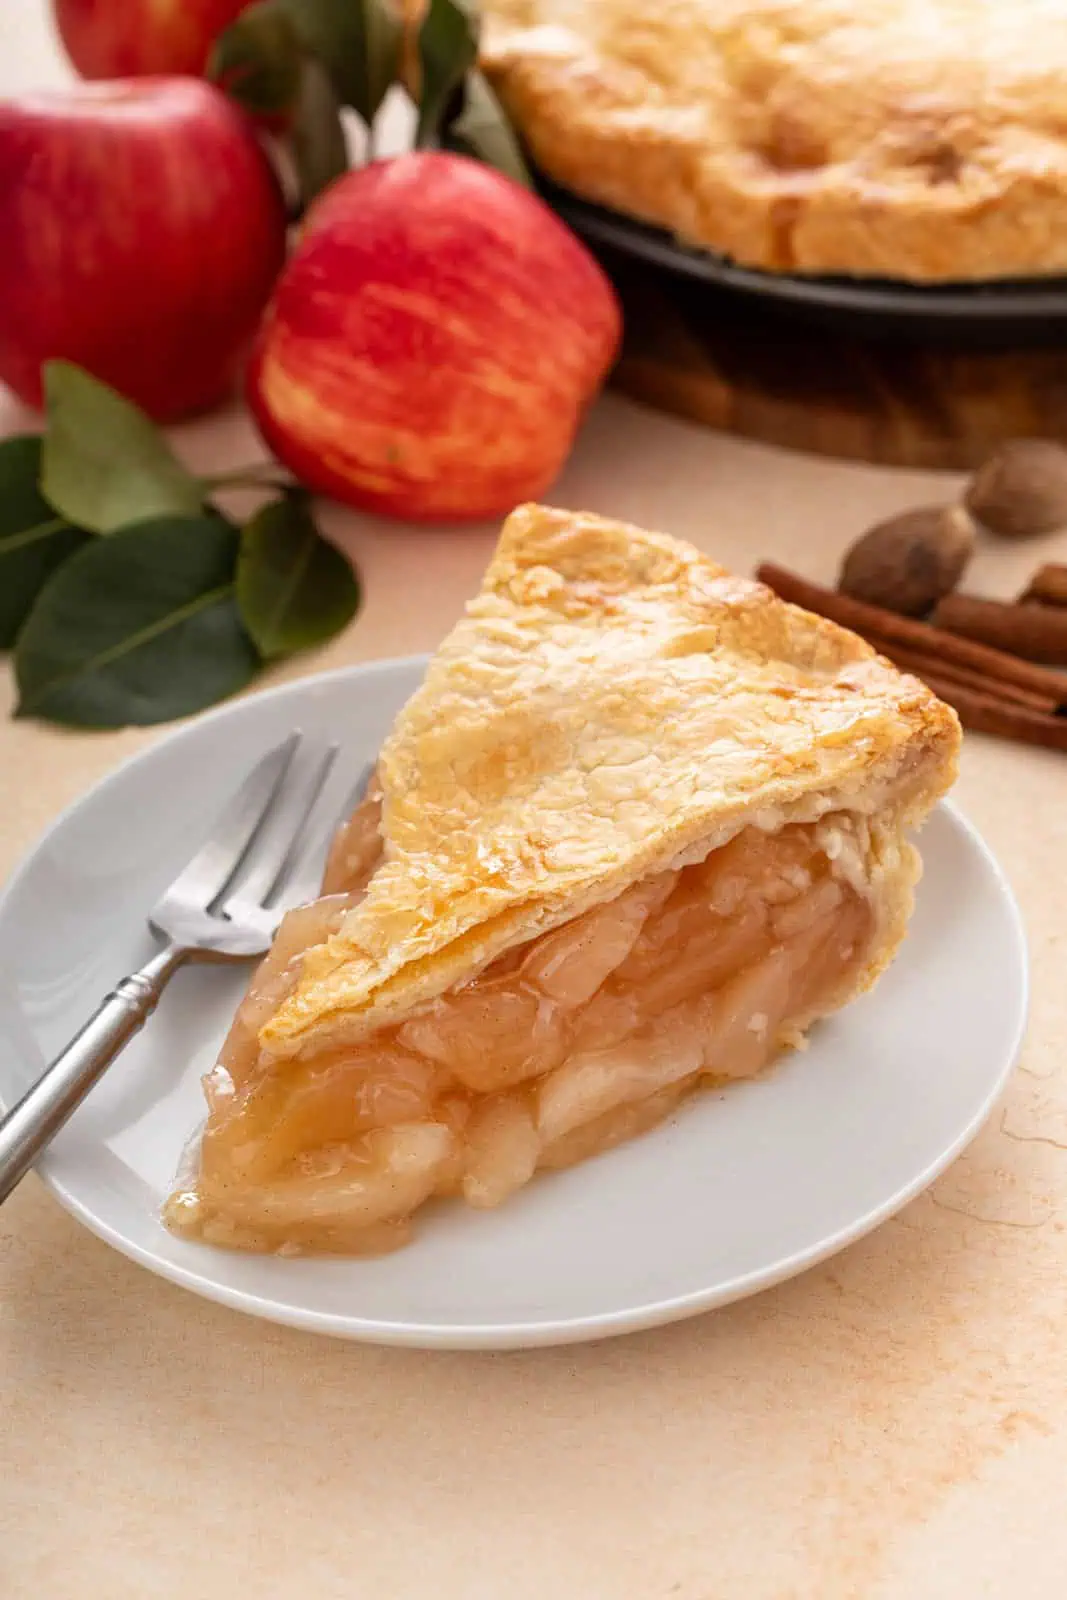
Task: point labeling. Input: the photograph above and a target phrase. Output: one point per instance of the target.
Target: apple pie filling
(559, 1049)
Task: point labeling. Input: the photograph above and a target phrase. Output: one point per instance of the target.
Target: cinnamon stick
(928, 667)
(875, 623)
(988, 713)
(1048, 586)
(1037, 633)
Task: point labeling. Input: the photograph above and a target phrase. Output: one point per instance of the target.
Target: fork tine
(215, 863)
(302, 878)
(282, 835)
(352, 799)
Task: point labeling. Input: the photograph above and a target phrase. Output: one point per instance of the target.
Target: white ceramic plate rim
(539, 1332)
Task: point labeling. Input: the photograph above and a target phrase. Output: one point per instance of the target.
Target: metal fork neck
(150, 978)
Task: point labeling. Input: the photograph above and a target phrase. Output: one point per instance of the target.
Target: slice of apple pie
(639, 827)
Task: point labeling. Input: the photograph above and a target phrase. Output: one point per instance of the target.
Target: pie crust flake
(641, 825)
(921, 140)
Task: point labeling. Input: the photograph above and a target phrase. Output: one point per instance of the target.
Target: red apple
(135, 38)
(142, 230)
(431, 347)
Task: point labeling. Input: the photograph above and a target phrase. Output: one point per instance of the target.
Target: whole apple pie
(909, 139)
(640, 827)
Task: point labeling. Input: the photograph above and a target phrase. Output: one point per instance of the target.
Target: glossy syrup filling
(559, 1049)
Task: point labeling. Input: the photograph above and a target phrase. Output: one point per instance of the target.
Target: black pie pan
(1007, 313)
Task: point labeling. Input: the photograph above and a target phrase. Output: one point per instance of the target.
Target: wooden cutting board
(737, 366)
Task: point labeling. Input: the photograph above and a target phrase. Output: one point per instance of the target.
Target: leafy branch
(126, 595)
(299, 65)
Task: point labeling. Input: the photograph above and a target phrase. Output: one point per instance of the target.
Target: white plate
(737, 1191)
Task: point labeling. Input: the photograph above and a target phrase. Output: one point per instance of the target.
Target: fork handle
(36, 1119)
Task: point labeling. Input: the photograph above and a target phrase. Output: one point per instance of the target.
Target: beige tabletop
(891, 1426)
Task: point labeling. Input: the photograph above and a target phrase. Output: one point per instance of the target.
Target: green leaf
(104, 462)
(448, 46)
(293, 589)
(138, 628)
(377, 65)
(482, 130)
(319, 147)
(357, 41)
(257, 60)
(33, 540)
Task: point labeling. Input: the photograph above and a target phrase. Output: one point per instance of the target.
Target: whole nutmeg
(1022, 489)
(910, 562)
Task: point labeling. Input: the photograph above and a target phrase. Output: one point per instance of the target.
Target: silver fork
(225, 905)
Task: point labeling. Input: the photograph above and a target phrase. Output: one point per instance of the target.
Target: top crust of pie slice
(611, 704)
(912, 139)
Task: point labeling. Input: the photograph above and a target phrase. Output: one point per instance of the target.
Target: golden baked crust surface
(613, 702)
(910, 139)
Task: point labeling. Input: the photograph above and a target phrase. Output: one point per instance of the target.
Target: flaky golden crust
(910, 139)
(612, 703)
